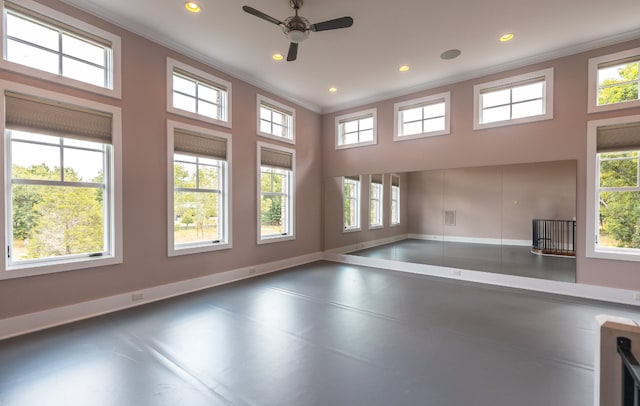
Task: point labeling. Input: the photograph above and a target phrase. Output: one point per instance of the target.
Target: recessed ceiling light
(333, 89)
(507, 37)
(450, 54)
(277, 57)
(404, 68)
(192, 6)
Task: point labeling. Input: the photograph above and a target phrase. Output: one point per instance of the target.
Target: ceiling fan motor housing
(296, 28)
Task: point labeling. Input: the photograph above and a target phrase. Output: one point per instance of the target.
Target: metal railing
(630, 373)
(553, 237)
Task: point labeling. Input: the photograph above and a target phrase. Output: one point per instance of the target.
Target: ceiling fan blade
(293, 52)
(262, 15)
(343, 22)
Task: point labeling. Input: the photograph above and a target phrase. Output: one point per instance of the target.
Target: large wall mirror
(510, 219)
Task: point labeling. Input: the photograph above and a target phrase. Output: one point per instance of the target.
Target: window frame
(226, 195)
(594, 63)
(510, 83)
(592, 194)
(357, 199)
(287, 111)
(50, 17)
(391, 200)
(291, 234)
(422, 102)
(210, 80)
(345, 118)
(54, 265)
(379, 202)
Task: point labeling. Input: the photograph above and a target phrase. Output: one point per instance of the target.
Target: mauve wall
(145, 187)
(563, 138)
(495, 202)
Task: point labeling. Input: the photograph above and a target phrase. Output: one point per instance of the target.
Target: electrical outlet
(136, 297)
(457, 272)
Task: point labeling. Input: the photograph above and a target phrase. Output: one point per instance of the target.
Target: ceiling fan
(297, 28)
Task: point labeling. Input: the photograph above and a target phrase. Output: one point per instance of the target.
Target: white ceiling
(362, 61)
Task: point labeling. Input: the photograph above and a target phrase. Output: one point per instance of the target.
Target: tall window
(198, 205)
(376, 193)
(49, 45)
(514, 100)
(351, 203)
(275, 120)
(61, 197)
(395, 200)
(197, 94)
(276, 193)
(424, 117)
(614, 81)
(356, 129)
(614, 189)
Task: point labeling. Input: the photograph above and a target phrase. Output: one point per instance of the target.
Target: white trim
(292, 197)
(282, 108)
(366, 244)
(227, 195)
(547, 74)
(421, 102)
(62, 265)
(18, 325)
(471, 240)
(357, 227)
(613, 295)
(592, 211)
(199, 74)
(116, 52)
(352, 117)
(592, 98)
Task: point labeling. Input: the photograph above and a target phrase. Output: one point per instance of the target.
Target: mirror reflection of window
(376, 193)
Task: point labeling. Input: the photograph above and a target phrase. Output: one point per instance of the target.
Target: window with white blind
(614, 81)
(197, 94)
(275, 120)
(42, 42)
(376, 193)
(62, 176)
(276, 191)
(395, 200)
(351, 203)
(515, 100)
(199, 188)
(424, 117)
(613, 188)
(356, 129)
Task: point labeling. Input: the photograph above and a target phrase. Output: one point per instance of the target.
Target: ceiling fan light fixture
(192, 6)
(297, 36)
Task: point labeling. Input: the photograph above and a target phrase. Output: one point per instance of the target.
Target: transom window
(515, 100)
(51, 48)
(351, 203)
(376, 192)
(614, 202)
(275, 120)
(356, 129)
(614, 81)
(276, 193)
(395, 200)
(197, 94)
(427, 116)
(61, 194)
(199, 201)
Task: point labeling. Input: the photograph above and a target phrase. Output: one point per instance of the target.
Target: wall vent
(449, 217)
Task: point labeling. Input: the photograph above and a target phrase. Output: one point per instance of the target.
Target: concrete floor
(319, 334)
(502, 259)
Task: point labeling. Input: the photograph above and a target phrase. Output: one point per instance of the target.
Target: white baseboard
(473, 240)
(592, 292)
(367, 244)
(27, 323)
